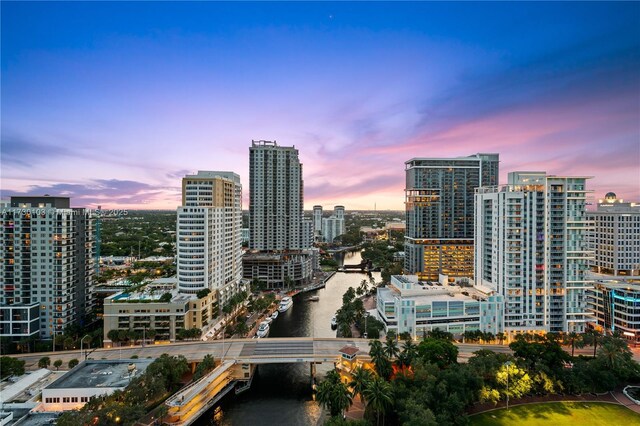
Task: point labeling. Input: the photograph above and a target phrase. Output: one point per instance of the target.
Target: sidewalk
(624, 400)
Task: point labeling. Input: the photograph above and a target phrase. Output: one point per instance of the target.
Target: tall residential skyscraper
(333, 226)
(276, 197)
(616, 237)
(531, 248)
(280, 239)
(209, 234)
(46, 261)
(439, 211)
(317, 219)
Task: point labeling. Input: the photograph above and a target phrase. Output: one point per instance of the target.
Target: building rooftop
(408, 286)
(102, 374)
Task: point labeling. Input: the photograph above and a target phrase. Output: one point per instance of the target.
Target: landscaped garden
(559, 414)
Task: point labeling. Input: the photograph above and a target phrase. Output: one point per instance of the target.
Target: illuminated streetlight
(508, 364)
(81, 342)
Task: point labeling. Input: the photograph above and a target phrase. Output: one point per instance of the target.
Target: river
(281, 393)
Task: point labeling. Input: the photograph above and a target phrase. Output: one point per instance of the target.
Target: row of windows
(66, 399)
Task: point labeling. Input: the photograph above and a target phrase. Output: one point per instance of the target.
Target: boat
(263, 330)
(274, 315)
(334, 322)
(313, 298)
(285, 304)
(268, 320)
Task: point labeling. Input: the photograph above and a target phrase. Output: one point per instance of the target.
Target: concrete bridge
(253, 351)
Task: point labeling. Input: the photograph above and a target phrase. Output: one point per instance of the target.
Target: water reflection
(281, 393)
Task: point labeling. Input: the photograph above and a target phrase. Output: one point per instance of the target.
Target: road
(271, 350)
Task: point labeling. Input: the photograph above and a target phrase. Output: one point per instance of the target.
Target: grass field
(559, 414)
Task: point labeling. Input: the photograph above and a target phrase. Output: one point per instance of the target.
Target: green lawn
(559, 414)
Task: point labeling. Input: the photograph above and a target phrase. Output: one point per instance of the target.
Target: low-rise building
(408, 305)
(91, 379)
(274, 268)
(614, 306)
(149, 309)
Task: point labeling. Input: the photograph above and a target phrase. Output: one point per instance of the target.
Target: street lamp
(366, 315)
(508, 364)
(81, 343)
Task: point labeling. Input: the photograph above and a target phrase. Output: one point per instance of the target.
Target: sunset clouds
(111, 103)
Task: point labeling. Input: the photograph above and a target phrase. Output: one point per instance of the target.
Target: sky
(113, 103)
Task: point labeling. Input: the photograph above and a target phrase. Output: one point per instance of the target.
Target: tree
(204, 367)
(592, 337)
(203, 293)
(379, 395)
(408, 353)
(379, 359)
(391, 349)
(57, 364)
(166, 298)
(519, 381)
(615, 354)
(362, 288)
(44, 362)
(11, 366)
(333, 394)
(114, 335)
(361, 378)
(440, 334)
(441, 352)
(242, 329)
(501, 337)
(574, 340)
(415, 413)
(73, 362)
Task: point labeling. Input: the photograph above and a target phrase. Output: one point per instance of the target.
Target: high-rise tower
(279, 237)
(439, 211)
(276, 197)
(209, 228)
(532, 248)
(46, 252)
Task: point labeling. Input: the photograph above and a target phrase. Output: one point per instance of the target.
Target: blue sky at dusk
(112, 103)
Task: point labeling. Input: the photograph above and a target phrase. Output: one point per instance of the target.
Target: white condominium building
(531, 247)
(209, 234)
(333, 226)
(46, 265)
(276, 197)
(317, 219)
(616, 237)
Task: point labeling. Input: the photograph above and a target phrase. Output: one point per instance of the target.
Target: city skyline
(113, 103)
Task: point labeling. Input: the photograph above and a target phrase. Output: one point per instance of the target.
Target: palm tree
(614, 350)
(362, 288)
(361, 378)
(391, 349)
(379, 359)
(333, 394)
(375, 350)
(592, 337)
(501, 336)
(379, 396)
(574, 340)
(408, 354)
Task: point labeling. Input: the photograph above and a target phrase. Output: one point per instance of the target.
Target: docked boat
(334, 322)
(268, 320)
(263, 330)
(274, 315)
(285, 304)
(313, 298)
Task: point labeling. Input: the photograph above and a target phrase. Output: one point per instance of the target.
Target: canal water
(281, 393)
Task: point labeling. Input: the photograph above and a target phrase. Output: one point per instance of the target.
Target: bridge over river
(252, 351)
